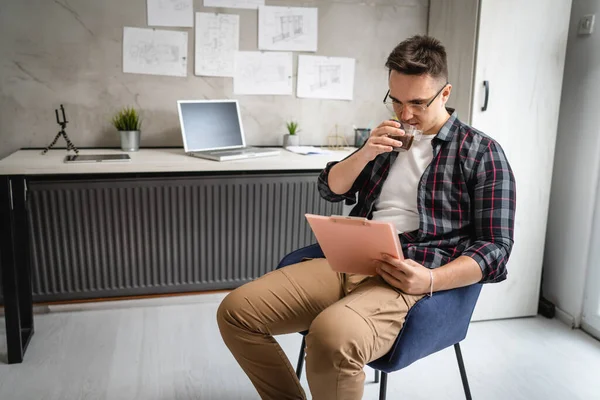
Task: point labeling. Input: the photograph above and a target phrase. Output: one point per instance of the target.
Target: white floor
(170, 349)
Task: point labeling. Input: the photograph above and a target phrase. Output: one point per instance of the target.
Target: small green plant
(292, 127)
(128, 119)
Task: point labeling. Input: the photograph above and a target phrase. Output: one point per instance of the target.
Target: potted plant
(291, 138)
(128, 123)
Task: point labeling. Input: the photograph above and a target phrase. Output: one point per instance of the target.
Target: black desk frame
(15, 266)
(17, 257)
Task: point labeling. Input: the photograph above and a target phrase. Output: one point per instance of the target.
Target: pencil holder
(361, 135)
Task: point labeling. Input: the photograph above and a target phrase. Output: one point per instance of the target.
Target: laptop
(212, 129)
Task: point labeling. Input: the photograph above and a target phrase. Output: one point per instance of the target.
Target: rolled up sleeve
(494, 214)
(328, 194)
(350, 195)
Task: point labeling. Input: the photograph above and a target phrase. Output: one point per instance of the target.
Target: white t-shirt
(397, 202)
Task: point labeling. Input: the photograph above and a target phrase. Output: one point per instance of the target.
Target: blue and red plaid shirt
(466, 200)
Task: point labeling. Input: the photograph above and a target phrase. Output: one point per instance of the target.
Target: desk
(162, 223)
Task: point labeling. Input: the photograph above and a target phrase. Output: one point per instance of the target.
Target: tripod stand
(63, 125)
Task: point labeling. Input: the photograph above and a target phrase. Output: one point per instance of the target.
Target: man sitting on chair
(451, 197)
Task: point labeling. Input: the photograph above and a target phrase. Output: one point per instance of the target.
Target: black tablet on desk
(92, 158)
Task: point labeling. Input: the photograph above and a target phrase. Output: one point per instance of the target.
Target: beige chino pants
(351, 319)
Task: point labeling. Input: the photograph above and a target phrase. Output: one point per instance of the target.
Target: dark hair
(419, 55)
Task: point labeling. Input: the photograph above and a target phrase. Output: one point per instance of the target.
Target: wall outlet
(586, 24)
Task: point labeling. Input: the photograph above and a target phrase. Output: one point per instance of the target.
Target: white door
(590, 320)
(521, 53)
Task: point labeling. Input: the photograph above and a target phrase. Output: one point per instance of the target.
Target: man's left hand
(407, 275)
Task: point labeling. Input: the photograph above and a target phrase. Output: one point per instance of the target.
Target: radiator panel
(106, 238)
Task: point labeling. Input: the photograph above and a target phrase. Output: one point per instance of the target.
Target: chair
(431, 325)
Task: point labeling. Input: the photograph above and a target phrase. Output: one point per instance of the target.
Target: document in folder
(350, 244)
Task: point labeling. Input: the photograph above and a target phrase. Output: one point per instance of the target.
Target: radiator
(106, 238)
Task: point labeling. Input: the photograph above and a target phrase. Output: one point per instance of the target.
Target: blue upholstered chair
(431, 325)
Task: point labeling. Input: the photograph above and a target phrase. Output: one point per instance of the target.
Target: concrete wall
(576, 171)
(70, 52)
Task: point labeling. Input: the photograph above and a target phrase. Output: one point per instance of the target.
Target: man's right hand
(379, 142)
(342, 175)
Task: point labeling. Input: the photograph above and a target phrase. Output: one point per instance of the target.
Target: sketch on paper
(325, 77)
(217, 40)
(178, 13)
(154, 52)
(248, 4)
(263, 73)
(287, 28)
(290, 27)
(177, 5)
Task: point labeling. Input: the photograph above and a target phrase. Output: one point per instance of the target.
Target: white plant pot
(291, 140)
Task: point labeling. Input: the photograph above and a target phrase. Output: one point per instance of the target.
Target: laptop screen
(210, 125)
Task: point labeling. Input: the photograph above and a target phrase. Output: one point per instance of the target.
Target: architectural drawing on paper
(214, 39)
(291, 26)
(154, 53)
(217, 40)
(176, 5)
(326, 75)
(179, 13)
(287, 28)
(263, 75)
(248, 4)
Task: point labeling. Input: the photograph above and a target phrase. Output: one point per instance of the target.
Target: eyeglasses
(396, 107)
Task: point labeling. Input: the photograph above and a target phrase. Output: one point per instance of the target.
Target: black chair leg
(383, 385)
(376, 376)
(301, 358)
(463, 373)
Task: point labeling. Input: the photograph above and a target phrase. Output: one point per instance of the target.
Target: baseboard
(568, 319)
(214, 298)
(37, 309)
(108, 304)
(590, 329)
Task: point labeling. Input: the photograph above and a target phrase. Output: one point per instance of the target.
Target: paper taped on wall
(263, 73)
(178, 13)
(287, 28)
(154, 52)
(325, 77)
(217, 40)
(250, 4)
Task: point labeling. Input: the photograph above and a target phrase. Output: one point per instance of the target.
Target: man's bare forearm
(463, 271)
(342, 175)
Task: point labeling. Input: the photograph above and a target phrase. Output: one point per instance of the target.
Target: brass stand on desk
(336, 141)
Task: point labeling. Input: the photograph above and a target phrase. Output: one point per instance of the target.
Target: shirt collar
(447, 131)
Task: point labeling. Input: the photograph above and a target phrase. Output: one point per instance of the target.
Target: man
(451, 197)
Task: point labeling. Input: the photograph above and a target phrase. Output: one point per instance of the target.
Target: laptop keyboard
(228, 152)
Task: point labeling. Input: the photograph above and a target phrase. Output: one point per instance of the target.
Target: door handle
(486, 85)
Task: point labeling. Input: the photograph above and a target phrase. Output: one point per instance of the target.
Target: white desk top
(32, 162)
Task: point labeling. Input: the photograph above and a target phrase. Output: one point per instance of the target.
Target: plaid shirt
(466, 200)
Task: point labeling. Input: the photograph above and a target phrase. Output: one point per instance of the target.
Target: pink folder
(350, 244)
